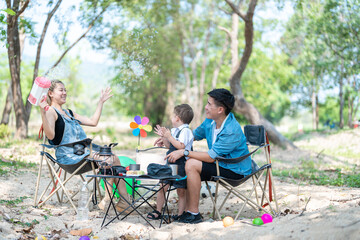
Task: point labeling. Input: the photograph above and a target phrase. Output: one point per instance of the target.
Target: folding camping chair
(261, 177)
(56, 168)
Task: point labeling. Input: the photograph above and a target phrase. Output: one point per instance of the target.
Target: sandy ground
(306, 211)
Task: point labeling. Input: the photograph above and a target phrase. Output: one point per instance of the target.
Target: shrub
(4, 131)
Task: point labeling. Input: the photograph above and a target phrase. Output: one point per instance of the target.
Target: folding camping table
(151, 190)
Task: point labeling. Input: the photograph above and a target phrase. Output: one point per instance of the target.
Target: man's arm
(201, 156)
(199, 132)
(224, 145)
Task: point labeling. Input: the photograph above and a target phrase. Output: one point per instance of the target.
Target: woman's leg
(121, 188)
(160, 198)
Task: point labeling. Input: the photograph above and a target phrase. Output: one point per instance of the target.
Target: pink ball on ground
(267, 218)
(84, 238)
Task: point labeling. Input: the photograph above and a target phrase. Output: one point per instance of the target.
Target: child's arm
(161, 141)
(172, 140)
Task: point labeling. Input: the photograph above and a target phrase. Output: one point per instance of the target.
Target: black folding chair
(55, 168)
(261, 177)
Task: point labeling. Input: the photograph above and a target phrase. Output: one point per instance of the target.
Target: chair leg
(246, 200)
(226, 198)
(50, 166)
(46, 188)
(256, 195)
(57, 189)
(62, 185)
(269, 174)
(274, 191)
(265, 185)
(265, 195)
(214, 199)
(62, 192)
(97, 181)
(38, 180)
(249, 200)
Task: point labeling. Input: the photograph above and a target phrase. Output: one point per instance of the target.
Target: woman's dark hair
(223, 98)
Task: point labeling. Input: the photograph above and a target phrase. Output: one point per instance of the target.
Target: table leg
(166, 207)
(112, 195)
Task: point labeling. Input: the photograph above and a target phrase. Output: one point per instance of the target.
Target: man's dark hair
(184, 112)
(223, 98)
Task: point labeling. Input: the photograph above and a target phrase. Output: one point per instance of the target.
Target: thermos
(39, 89)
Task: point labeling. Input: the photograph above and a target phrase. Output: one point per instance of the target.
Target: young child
(180, 137)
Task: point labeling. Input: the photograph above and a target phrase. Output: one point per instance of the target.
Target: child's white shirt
(186, 136)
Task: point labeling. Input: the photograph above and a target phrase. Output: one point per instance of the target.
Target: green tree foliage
(144, 46)
(321, 40)
(307, 52)
(4, 76)
(147, 43)
(268, 83)
(339, 27)
(3, 23)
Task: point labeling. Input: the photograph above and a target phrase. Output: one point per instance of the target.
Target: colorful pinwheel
(140, 126)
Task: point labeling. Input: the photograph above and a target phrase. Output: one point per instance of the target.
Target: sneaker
(177, 217)
(190, 218)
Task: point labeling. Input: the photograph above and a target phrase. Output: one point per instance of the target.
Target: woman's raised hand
(105, 94)
(43, 104)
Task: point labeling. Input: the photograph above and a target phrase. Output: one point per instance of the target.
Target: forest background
(292, 66)
(282, 60)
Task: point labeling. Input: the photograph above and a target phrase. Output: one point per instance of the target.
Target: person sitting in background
(180, 137)
(62, 126)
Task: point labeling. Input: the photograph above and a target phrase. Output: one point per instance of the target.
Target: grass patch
(24, 224)
(13, 203)
(13, 165)
(314, 176)
(308, 134)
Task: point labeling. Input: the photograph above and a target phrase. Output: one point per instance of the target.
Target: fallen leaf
(81, 232)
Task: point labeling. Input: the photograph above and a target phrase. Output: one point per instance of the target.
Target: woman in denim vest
(63, 126)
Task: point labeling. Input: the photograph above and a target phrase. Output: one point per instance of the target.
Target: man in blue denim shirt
(225, 138)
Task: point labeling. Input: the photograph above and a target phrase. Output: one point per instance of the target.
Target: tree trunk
(9, 99)
(7, 108)
(341, 96)
(234, 42)
(313, 107)
(169, 110)
(350, 112)
(317, 110)
(350, 101)
(254, 117)
(14, 56)
(241, 105)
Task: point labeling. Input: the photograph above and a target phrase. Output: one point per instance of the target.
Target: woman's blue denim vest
(72, 132)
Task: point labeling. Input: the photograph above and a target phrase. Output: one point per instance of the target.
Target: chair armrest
(86, 142)
(95, 147)
(239, 159)
(147, 149)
